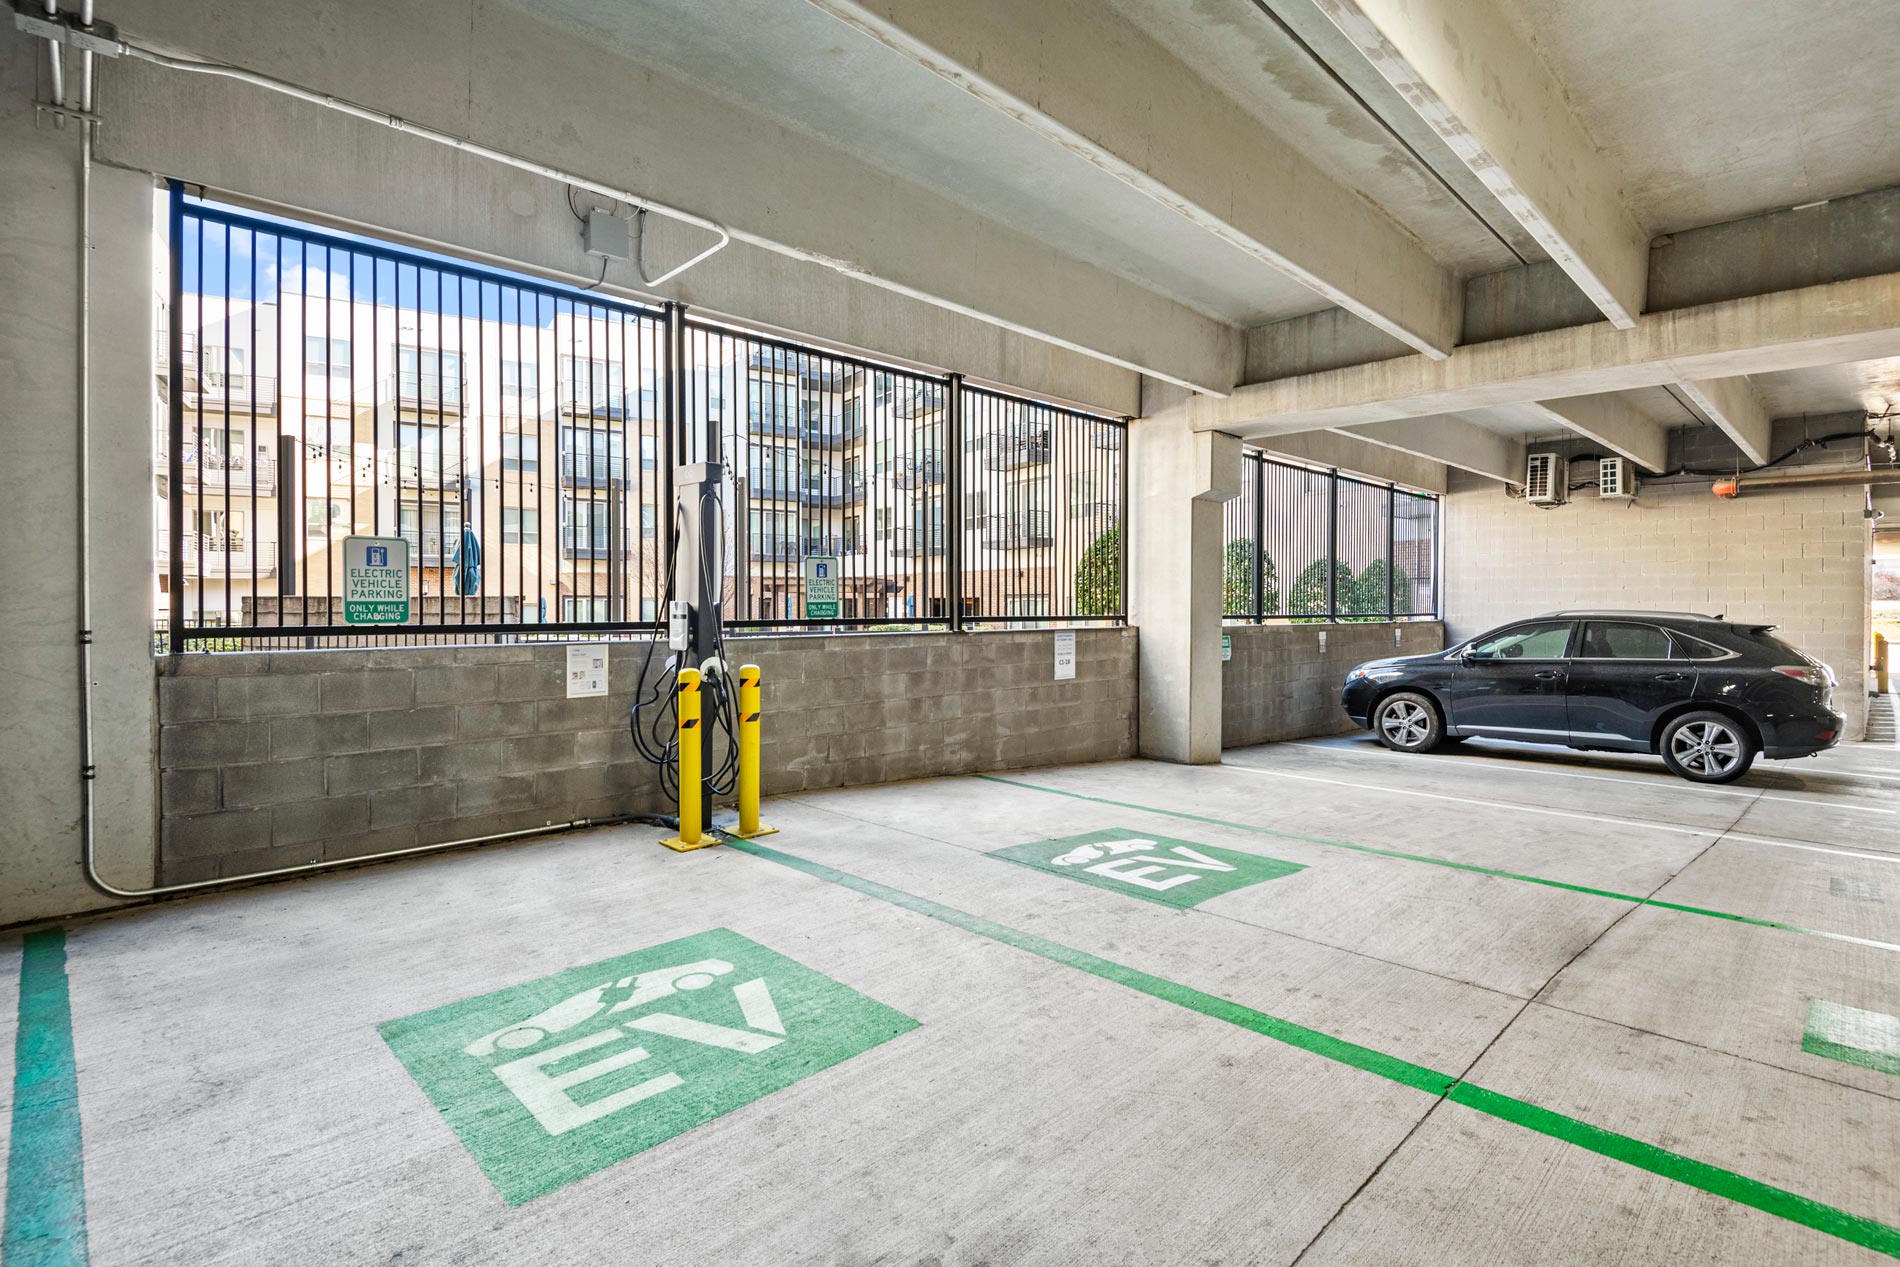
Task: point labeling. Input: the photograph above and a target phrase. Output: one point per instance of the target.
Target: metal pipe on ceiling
(1737, 485)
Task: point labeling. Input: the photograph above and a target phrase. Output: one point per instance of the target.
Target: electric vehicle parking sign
(552, 1080)
(375, 580)
(821, 587)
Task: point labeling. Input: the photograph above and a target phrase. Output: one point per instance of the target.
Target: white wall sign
(1065, 655)
(375, 580)
(821, 587)
(1226, 647)
(586, 670)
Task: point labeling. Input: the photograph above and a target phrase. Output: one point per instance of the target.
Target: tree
(1368, 595)
(1308, 596)
(1098, 576)
(1237, 581)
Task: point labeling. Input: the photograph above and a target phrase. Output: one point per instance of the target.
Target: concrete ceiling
(1873, 386)
(800, 68)
(1716, 109)
(1289, 67)
(1705, 110)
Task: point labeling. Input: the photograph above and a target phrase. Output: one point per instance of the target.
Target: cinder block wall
(272, 759)
(1280, 685)
(1800, 560)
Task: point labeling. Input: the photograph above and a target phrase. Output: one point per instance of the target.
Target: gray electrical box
(606, 236)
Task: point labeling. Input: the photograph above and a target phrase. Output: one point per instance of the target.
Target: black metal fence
(523, 438)
(1304, 543)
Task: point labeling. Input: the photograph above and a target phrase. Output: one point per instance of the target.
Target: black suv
(1706, 693)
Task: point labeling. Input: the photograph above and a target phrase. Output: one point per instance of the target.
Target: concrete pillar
(1178, 480)
(40, 873)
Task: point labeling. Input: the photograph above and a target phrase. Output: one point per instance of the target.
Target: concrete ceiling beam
(1087, 80)
(1450, 440)
(1610, 421)
(1855, 320)
(1476, 82)
(1733, 405)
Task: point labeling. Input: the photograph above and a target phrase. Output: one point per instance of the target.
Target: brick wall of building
(1280, 685)
(272, 759)
(1800, 560)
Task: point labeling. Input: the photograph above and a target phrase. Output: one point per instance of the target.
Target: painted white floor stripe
(1670, 782)
(1562, 813)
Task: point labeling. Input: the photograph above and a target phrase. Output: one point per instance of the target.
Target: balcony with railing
(921, 471)
(830, 490)
(221, 555)
(776, 549)
(245, 473)
(1008, 450)
(422, 391)
(584, 469)
(1025, 530)
(909, 544)
(578, 401)
(762, 420)
(830, 431)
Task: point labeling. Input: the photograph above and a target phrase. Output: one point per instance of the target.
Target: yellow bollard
(749, 825)
(689, 766)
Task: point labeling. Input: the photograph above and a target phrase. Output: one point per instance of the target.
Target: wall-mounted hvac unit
(1615, 479)
(1544, 478)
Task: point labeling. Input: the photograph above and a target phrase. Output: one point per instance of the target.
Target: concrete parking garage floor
(1501, 1005)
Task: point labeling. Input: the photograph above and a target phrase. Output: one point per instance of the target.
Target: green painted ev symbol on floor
(552, 1080)
(1158, 868)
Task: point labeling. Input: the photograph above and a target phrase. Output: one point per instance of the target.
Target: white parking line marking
(1669, 781)
(1560, 813)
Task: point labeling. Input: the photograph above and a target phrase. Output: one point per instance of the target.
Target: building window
(433, 530)
(520, 526)
(428, 453)
(429, 376)
(977, 505)
(324, 519)
(584, 609)
(520, 453)
(326, 356)
(646, 610)
(646, 521)
(584, 526)
(520, 376)
(648, 451)
(589, 384)
(883, 524)
(593, 456)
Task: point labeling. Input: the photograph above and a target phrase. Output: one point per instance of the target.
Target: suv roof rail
(1603, 611)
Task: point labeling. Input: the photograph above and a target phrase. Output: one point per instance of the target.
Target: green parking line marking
(1853, 1036)
(1449, 864)
(1853, 1228)
(46, 1186)
(1177, 873)
(549, 1081)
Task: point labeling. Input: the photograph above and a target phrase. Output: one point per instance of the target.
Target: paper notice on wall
(586, 670)
(1065, 655)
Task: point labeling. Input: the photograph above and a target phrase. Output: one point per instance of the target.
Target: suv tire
(1407, 721)
(1707, 747)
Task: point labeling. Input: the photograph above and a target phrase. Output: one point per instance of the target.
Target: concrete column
(40, 873)
(1178, 480)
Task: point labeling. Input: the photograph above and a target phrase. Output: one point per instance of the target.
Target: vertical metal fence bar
(175, 424)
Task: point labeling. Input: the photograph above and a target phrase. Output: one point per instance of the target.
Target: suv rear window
(1690, 647)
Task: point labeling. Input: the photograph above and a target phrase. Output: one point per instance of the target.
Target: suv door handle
(1549, 675)
(1671, 677)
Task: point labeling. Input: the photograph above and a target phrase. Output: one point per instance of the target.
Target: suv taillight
(1803, 673)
